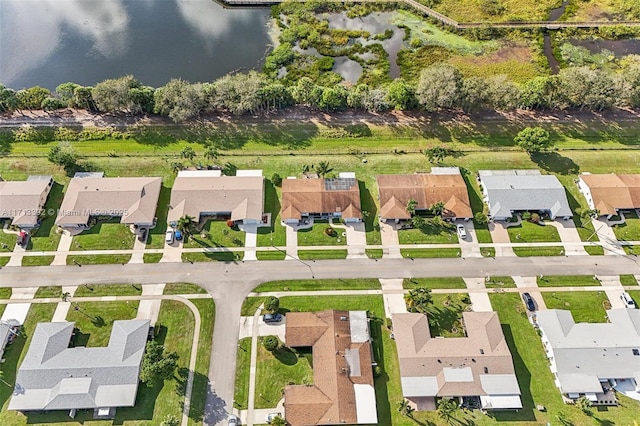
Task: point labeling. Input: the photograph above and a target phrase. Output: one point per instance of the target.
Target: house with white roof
(511, 191)
(591, 359)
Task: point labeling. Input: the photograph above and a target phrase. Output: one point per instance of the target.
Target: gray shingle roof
(517, 190)
(56, 377)
(587, 352)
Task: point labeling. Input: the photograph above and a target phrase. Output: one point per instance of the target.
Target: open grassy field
(586, 306)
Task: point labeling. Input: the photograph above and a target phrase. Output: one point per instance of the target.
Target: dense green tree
(65, 92)
(170, 420)
(303, 92)
(481, 218)
(272, 304)
(334, 99)
(533, 139)
(275, 95)
(188, 153)
(439, 87)
(537, 93)
(586, 88)
(401, 95)
(83, 98)
(142, 99)
(240, 93)
(157, 366)
(474, 94)
(405, 409)
(211, 153)
(52, 104)
(114, 95)
(32, 97)
(276, 179)
(278, 421)
(179, 100)
(8, 99)
(63, 154)
(502, 93)
(271, 343)
(411, 206)
(279, 57)
(186, 224)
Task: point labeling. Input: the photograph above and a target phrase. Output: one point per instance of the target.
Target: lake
(48, 42)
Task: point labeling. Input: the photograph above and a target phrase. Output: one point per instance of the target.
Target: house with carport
(610, 193)
(204, 194)
(133, 199)
(508, 192)
(343, 390)
(443, 185)
(22, 202)
(321, 198)
(593, 360)
(476, 370)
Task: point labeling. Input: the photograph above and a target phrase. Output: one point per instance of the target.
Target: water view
(48, 42)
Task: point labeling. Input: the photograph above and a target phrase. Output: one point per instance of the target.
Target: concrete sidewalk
(138, 250)
(292, 243)
(479, 298)
(607, 238)
(393, 296)
(62, 309)
(63, 246)
(569, 234)
(149, 309)
(250, 241)
(613, 288)
(19, 311)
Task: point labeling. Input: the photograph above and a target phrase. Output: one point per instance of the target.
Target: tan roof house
(198, 193)
(443, 184)
(134, 199)
(321, 198)
(609, 193)
(477, 369)
(22, 201)
(343, 391)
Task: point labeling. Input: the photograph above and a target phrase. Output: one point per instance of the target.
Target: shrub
(276, 179)
(330, 232)
(377, 371)
(231, 223)
(271, 343)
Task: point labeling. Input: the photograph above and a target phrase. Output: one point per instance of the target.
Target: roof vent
(486, 370)
(482, 351)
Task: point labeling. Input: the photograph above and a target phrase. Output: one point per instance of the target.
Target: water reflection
(48, 42)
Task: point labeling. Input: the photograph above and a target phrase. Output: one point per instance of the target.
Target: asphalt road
(229, 283)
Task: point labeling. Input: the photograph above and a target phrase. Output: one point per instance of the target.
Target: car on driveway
(178, 236)
(528, 301)
(272, 416)
(233, 420)
(22, 238)
(627, 300)
(272, 318)
(462, 232)
(168, 236)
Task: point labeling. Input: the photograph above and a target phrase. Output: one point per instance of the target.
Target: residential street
(229, 283)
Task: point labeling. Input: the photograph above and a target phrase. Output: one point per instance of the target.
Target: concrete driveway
(613, 289)
(499, 235)
(356, 240)
(607, 237)
(469, 246)
(246, 328)
(390, 241)
(479, 299)
(568, 234)
(529, 285)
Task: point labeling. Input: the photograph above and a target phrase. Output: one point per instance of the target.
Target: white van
(168, 236)
(627, 300)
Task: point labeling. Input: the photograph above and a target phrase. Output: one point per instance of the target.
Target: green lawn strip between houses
(243, 362)
(98, 259)
(430, 253)
(37, 260)
(440, 283)
(567, 281)
(586, 306)
(315, 284)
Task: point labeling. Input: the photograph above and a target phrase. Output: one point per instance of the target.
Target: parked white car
(627, 300)
(462, 232)
(168, 236)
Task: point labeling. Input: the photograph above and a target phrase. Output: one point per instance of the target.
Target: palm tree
(405, 409)
(323, 168)
(411, 206)
(419, 299)
(186, 224)
(437, 208)
(446, 410)
(65, 296)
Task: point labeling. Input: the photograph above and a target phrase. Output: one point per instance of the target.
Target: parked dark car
(21, 240)
(272, 318)
(528, 301)
(142, 234)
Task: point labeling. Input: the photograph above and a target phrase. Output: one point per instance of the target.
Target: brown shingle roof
(331, 399)
(420, 355)
(300, 196)
(426, 189)
(613, 191)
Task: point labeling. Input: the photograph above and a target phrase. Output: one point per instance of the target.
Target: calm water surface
(48, 42)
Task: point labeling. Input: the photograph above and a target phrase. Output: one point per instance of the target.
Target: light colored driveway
(149, 309)
(607, 237)
(292, 243)
(246, 327)
(138, 249)
(499, 234)
(64, 245)
(19, 311)
(530, 285)
(356, 240)
(250, 241)
(16, 256)
(613, 288)
(62, 309)
(568, 234)
(172, 252)
(469, 246)
(390, 242)
(393, 296)
(479, 298)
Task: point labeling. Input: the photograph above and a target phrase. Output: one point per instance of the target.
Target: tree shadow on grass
(286, 356)
(555, 163)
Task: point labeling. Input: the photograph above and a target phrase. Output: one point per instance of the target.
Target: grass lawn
(278, 369)
(442, 282)
(316, 235)
(528, 232)
(500, 282)
(221, 256)
(110, 235)
(276, 233)
(37, 260)
(567, 281)
(635, 295)
(630, 229)
(374, 253)
(320, 303)
(45, 237)
(155, 238)
(183, 288)
(95, 320)
(48, 292)
(594, 250)
(98, 259)
(631, 250)
(7, 241)
(445, 314)
(322, 254)
(628, 280)
(539, 251)
(151, 257)
(270, 255)
(330, 284)
(250, 306)
(4, 260)
(108, 290)
(243, 362)
(586, 306)
(428, 234)
(368, 196)
(5, 293)
(216, 234)
(424, 253)
(207, 310)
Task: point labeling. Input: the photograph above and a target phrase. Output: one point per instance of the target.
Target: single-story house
(442, 185)
(199, 193)
(343, 389)
(591, 359)
(133, 199)
(321, 198)
(23, 201)
(511, 191)
(8, 331)
(54, 376)
(609, 193)
(476, 369)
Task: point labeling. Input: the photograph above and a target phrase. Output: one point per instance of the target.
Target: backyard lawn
(276, 233)
(528, 232)
(316, 235)
(110, 235)
(216, 234)
(566, 281)
(428, 234)
(586, 306)
(445, 314)
(441, 282)
(630, 229)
